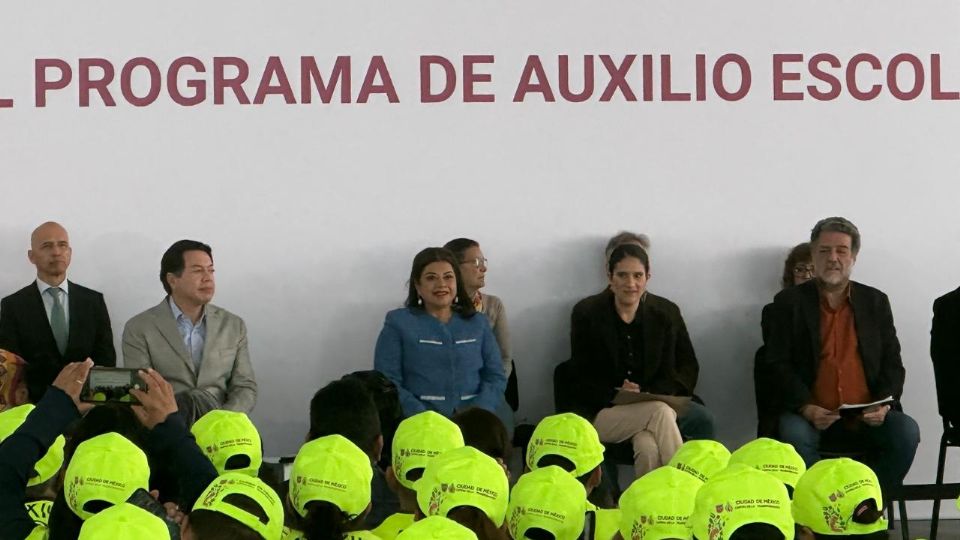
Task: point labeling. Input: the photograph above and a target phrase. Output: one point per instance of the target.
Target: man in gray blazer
(201, 349)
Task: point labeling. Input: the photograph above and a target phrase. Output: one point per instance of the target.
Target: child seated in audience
(417, 441)
(468, 487)
(839, 498)
(658, 505)
(742, 503)
(547, 504)
(571, 442)
(230, 441)
(329, 490)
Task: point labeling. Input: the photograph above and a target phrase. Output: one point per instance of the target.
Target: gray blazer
(151, 339)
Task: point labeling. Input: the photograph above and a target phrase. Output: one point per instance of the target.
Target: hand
(874, 416)
(71, 379)
(630, 386)
(157, 403)
(818, 416)
(174, 513)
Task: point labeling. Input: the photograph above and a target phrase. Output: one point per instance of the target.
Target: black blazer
(669, 363)
(791, 354)
(945, 352)
(25, 330)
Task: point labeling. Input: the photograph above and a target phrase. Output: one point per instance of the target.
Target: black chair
(512, 393)
(945, 353)
(950, 437)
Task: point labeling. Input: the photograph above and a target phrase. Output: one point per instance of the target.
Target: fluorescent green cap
(436, 528)
(464, 477)
(334, 470)
(567, 435)
(738, 496)
(50, 463)
(828, 496)
(124, 521)
(230, 441)
(548, 498)
(360, 535)
(701, 458)
(214, 499)
(106, 468)
(419, 439)
(774, 457)
(658, 505)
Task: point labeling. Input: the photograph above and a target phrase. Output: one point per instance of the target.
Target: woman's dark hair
(799, 254)
(623, 251)
(459, 246)
(474, 519)
(484, 431)
(211, 525)
(462, 304)
(757, 531)
(325, 521)
(106, 418)
(172, 260)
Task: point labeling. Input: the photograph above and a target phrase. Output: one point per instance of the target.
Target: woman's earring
(419, 300)
(456, 299)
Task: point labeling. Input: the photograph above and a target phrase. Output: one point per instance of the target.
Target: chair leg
(941, 461)
(890, 517)
(904, 522)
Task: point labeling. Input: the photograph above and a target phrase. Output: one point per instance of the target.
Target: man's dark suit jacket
(792, 352)
(25, 330)
(669, 363)
(945, 352)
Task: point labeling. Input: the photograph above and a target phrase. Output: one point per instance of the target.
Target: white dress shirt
(48, 299)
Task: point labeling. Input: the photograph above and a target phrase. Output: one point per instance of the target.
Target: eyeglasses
(478, 261)
(803, 270)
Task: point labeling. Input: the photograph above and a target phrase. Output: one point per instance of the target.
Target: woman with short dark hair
(438, 353)
(626, 338)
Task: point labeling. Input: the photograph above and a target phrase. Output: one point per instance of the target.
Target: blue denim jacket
(437, 366)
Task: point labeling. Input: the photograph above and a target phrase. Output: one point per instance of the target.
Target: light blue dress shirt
(194, 335)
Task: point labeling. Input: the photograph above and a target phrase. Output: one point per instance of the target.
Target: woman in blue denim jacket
(441, 356)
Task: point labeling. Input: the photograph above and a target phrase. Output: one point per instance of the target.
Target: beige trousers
(651, 427)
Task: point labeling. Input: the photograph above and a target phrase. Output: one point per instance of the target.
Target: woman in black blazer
(628, 338)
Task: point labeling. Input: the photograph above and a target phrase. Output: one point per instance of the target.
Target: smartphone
(111, 385)
(141, 498)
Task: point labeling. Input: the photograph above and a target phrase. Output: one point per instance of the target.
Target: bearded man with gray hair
(832, 349)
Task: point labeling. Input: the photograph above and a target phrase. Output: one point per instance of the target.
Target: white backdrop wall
(315, 211)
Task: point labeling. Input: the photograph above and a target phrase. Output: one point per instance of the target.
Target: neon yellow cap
(393, 525)
(334, 470)
(214, 498)
(124, 521)
(777, 458)
(230, 440)
(39, 511)
(419, 439)
(107, 468)
(701, 458)
(830, 495)
(658, 505)
(436, 528)
(567, 435)
(50, 463)
(548, 498)
(464, 477)
(737, 496)
(360, 535)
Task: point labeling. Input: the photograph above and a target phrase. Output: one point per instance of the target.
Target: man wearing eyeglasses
(832, 351)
